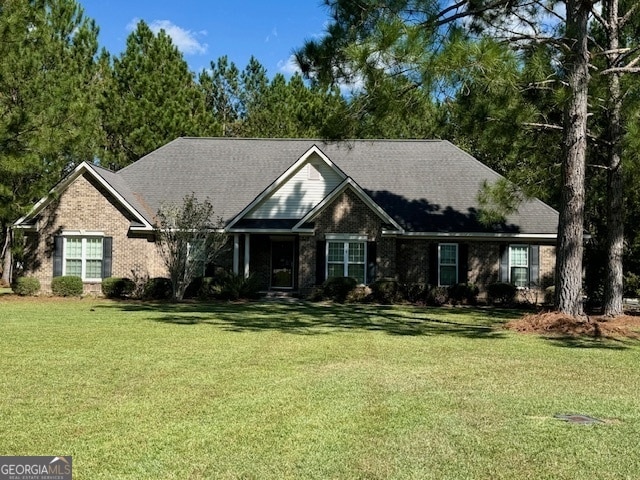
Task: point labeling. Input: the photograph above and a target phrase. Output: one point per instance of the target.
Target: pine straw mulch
(557, 324)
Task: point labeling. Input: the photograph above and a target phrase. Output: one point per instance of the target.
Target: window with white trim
(347, 258)
(447, 264)
(196, 255)
(519, 265)
(83, 257)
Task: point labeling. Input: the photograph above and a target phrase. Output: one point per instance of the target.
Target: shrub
(386, 290)
(193, 290)
(67, 286)
(437, 296)
(415, 292)
(631, 285)
(26, 286)
(549, 295)
(203, 288)
(316, 294)
(116, 287)
(236, 287)
(158, 288)
(463, 293)
(338, 288)
(504, 293)
(360, 294)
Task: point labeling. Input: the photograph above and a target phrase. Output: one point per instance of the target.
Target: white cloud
(273, 34)
(289, 66)
(187, 41)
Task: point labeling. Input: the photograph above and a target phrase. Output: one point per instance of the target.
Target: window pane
(94, 248)
(520, 276)
(447, 275)
(335, 270)
(73, 267)
(336, 252)
(519, 256)
(448, 254)
(357, 271)
(197, 255)
(356, 252)
(73, 248)
(94, 269)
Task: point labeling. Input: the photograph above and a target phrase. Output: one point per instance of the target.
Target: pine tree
(150, 99)
(416, 39)
(48, 91)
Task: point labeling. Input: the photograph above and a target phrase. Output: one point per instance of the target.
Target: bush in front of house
(338, 288)
(67, 286)
(117, 287)
(193, 290)
(503, 293)
(387, 291)
(465, 293)
(158, 288)
(631, 283)
(415, 292)
(204, 288)
(26, 286)
(237, 287)
(360, 294)
(549, 295)
(437, 295)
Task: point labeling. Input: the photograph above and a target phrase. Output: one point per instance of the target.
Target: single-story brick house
(296, 212)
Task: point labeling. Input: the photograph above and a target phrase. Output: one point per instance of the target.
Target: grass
(271, 390)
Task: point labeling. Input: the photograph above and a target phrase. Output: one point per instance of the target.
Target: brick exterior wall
(413, 261)
(483, 264)
(547, 265)
(407, 260)
(347, 215)
(86, 206)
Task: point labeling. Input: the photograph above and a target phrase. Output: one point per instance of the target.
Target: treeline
(378, 73)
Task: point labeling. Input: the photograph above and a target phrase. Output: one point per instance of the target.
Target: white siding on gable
(300, 193)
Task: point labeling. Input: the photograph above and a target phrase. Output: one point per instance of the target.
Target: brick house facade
(312, 220)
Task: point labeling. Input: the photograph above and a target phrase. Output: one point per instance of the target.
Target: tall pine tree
(48, 119)
(151, 98)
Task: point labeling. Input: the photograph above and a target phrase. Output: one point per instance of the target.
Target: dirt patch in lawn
(553, 323)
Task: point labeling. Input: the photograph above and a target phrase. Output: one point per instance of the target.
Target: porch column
(236, 253)
(246, 254)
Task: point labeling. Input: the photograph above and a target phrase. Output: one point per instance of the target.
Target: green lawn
(271, 390)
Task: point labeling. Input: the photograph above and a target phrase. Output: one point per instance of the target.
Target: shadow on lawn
(586, 341)
(312, 319)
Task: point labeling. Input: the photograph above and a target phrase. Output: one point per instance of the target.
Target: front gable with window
(85, 231)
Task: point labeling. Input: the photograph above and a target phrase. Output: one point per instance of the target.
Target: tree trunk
(615, 194)
(568, 296)
(7, 260)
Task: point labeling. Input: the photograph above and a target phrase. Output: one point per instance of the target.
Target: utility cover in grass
(577, 418)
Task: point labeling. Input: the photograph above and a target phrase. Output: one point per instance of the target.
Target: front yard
(278, 390)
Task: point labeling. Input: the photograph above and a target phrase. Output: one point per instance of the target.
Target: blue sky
(204, 30)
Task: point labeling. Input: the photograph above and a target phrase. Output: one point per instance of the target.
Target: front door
(282, 263)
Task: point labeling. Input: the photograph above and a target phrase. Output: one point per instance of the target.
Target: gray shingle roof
(425, 185)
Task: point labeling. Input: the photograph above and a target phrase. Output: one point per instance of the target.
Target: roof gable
(295, 192)
(348, 184)
(307, 185)
(106, 179)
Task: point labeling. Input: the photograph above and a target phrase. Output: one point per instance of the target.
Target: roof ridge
(315, 139)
